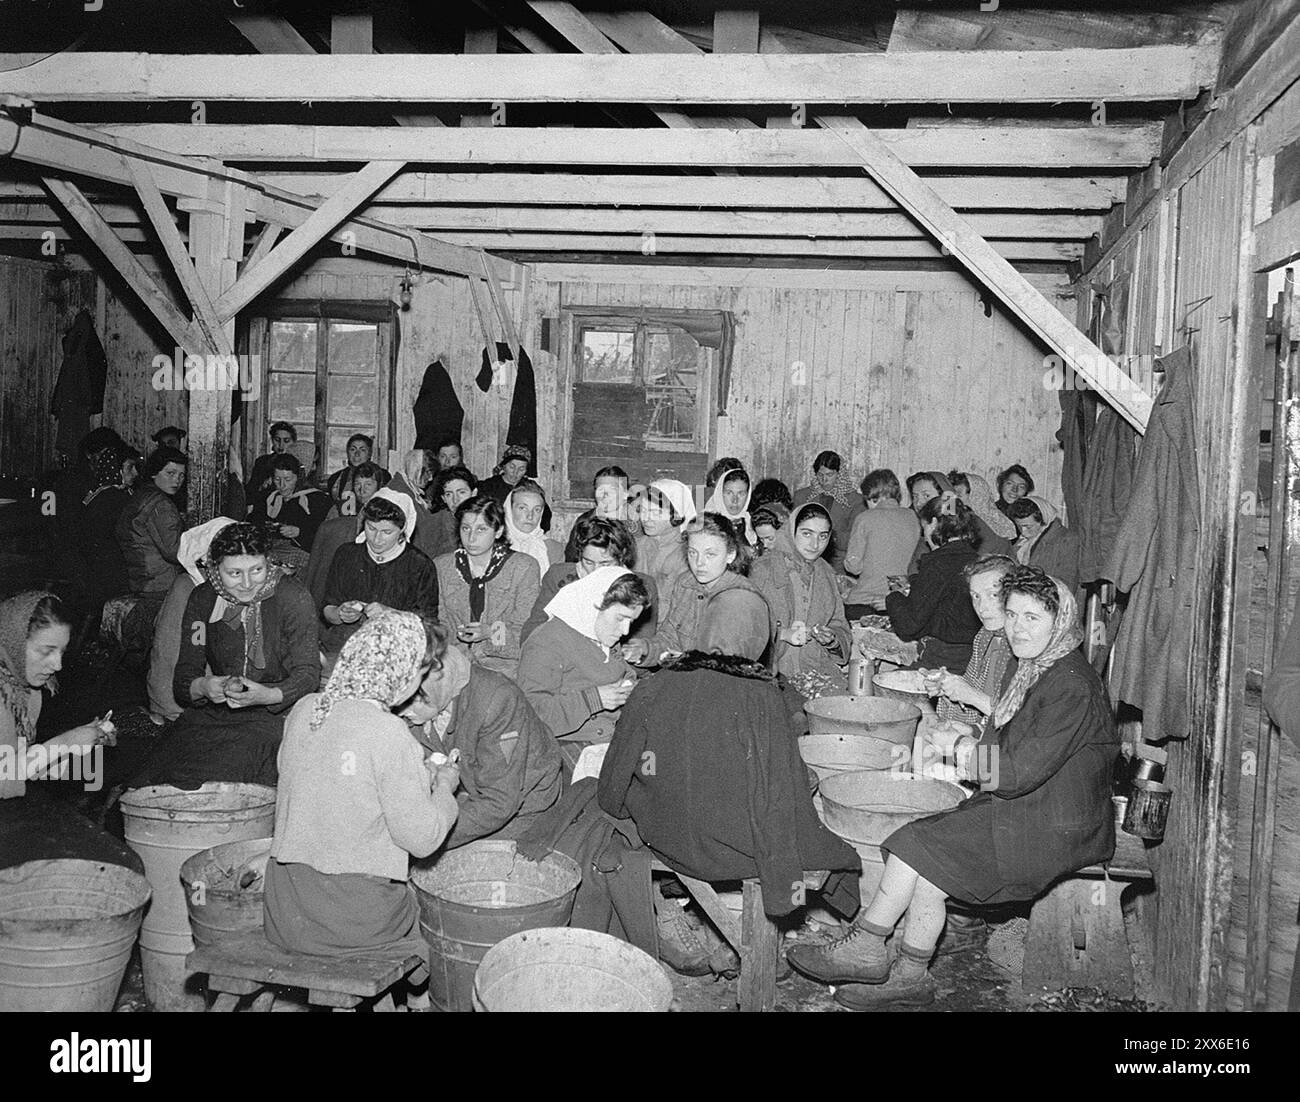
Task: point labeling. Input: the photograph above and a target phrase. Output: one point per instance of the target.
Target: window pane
(353, 346)
(674, 369)
(292, 397)
(608, 356)
(353, 400)
(293, 346)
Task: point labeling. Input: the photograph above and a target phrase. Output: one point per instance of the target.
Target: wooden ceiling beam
(1100, 148)
(1145, 74)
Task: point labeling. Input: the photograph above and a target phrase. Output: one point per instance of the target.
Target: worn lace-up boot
(909, 984)
(858, 956)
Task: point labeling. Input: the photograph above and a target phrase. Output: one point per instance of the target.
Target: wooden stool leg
(224, 1003)
(760, 944)
(264, 1001)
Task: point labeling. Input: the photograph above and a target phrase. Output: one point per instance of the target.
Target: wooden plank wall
(38, 301)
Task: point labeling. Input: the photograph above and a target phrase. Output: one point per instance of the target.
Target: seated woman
(1044, 541)
(571, 669)
(1043, 811)
(610, 490)
(338, 882)
(1013, 484)
(340, 528)
(881, 544)
(485, 590)
(812, 635)
(342, 482)
(103, 565)
(292, 510)
(170, 624)
(380, 570)
(524, 507)
(836, 490)
(977, 495)
(601, 542)
(35, 824)
(717, 560)
(148, 531)
(511, 772)
(969, 697)
(507, 474)
(451, 487)
(662, 510)
(731, 500)
(769, 519)
(283, 436)
(248, 653)
(934, 606)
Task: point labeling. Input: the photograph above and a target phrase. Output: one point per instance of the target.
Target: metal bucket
(166, 826)
(224, 889)
(67, 928)
(881, 718)
(826, 755)
(866, 808)
(1148, 810)
(559, 970)
(473, 897)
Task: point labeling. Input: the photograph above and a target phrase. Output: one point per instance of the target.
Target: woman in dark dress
(291, 509)
(97, 544)
(1043, 809)
(380, 570)
(254, 628)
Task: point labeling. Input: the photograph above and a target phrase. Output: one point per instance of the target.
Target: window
(644, 391)
(328, 367)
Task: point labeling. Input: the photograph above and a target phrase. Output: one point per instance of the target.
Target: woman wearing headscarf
(731, 499)
(969, 697)
(35, 824)
(379, 570)
(524, 507)
(96, 543)
(248, 653)
(835, 490)
(978, 496)
(812, 635)
(168, 627)
(1043, 809)
(339, 530)
(665, 506)
(485, 590)
(572, 669)
(1044, 541)
(292, 510)
(338, 881)
(507, 474)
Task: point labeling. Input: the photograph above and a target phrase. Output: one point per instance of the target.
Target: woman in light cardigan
(485, 590)
(356, 802)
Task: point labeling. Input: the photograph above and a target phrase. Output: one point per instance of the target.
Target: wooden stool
(251, 965)
(1076, 932)
(756, 940)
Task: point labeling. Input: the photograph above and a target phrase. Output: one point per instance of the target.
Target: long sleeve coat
(510, 598)
(149, 533)
(561, 574)
(938, 604)
(560, 672)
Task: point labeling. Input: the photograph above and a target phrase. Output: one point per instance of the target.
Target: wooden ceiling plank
(735, 31)
(352, 33)
(316, 227)
(271, 34)
(682, 77)
(576, 27)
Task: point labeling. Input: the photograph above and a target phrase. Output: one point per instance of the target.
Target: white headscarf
(403, 502)
(529, 543)
(679, 494)
(1045, 507)
(715, 504)
(195, 543)
(576, 602)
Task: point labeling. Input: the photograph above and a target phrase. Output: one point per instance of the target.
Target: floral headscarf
(105, 472)
(1065, 639)
(376, 663)
(15, 693)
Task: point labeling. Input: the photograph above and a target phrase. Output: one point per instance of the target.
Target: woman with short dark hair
(290, 509)
(836, 490)
(486, 590)
(969, 697)
(360, 449)
(1013, 484)
(1043, 809)
(450, 487)
(934, 606)
(881, 544)
(149, 526)
(609, 488)
(1044, 541)
(662, 510)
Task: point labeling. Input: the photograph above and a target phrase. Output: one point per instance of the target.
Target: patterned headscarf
(105, 472)
(15, 692)
(1065, 639)
(376, 663)
(235, 613)
(982, 504)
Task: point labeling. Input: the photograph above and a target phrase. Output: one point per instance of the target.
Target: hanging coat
(79, 393)
(1154, 561)
(523, 410)
(438, 413)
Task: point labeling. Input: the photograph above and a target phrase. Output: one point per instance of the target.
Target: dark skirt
(338, 914)
(218, 743)
(954, 850)
(936, 652)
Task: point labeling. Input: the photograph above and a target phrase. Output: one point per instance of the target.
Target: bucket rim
(136, 890)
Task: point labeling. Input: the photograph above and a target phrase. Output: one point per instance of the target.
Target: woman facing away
(881, 544)
(812, 635)
(1043, 809)
(338, 882)
(572, 669)
(486, 590)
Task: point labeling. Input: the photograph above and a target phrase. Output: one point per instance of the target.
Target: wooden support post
(979, 257)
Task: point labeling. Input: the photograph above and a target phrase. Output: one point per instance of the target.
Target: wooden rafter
(1109, 148)
(1145, 74)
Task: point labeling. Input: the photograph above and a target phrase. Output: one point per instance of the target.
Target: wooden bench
(1076, 934)
(250, 965)
(756, 939)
